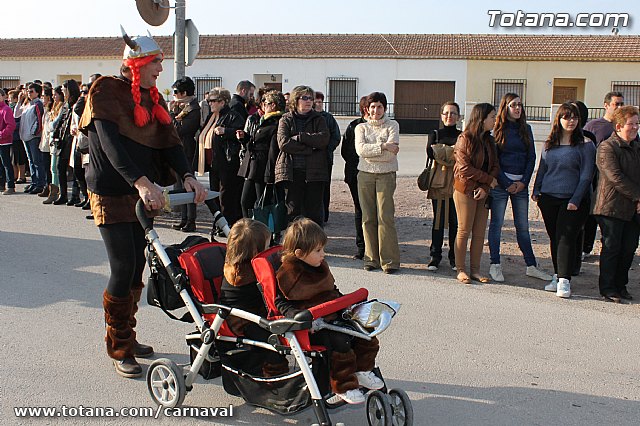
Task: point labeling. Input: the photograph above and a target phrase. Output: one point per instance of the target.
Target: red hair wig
(141, 115)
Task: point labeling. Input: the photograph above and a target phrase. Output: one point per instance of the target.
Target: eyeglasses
(306, 98)
(514, 106)
(450, 113)
(569, 117)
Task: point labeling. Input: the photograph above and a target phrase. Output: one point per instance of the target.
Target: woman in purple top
(562, 191)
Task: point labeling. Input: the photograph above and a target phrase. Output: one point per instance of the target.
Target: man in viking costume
(133, 148)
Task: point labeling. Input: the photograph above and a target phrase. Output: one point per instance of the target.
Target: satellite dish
(153, 12)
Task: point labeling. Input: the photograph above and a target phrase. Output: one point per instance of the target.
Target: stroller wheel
(401, 407)
(379, 412)
(165, 381)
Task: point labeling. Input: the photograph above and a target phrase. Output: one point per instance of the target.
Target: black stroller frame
(168, 384)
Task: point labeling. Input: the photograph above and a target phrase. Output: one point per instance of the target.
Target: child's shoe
(352, 396)
(369, 380)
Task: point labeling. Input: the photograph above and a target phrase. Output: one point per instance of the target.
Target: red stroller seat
(204, 265)
(266, 264)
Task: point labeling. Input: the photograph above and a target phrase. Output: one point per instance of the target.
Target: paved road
(467, 355)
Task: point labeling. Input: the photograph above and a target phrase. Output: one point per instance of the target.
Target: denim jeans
(5, 156)
(38, 174)
(520, 208)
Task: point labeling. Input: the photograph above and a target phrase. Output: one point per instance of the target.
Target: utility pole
(178, 49)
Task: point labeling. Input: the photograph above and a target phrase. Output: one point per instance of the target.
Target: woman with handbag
(474, 174)
(517, 158)
(617, 206)
(63, 140)
(440, 184)
(562, 191)
(257, 142)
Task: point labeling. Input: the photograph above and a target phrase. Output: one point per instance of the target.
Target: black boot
(62, 199)
(179, 226)
(190, 226)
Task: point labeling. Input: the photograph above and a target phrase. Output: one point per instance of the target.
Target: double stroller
(194, 279)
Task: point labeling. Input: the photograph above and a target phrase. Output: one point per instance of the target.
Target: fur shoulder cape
(110, 99)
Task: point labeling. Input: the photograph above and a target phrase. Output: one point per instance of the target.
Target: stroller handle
(177, 198)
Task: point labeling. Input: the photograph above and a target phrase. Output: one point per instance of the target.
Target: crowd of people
(279, 148)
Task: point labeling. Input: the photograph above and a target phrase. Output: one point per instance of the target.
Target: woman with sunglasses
(561, 189)
(303, 138)
(219, 136)
(517, 158)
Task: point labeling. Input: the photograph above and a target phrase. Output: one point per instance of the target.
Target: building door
(416, 105)
(564, 94)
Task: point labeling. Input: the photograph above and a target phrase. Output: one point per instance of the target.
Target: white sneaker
(564, 288)
(369, 380)
(553, 285)
(495, 270)
(533, 271)
(352, 396)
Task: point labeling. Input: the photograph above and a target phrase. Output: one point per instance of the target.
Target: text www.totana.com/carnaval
(149, 412)
(522, 19)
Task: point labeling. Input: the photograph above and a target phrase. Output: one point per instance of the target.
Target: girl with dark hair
(561, 190)
(474, 175)
(517, 158)
(47, 100)
(440, 151)
(63, 140)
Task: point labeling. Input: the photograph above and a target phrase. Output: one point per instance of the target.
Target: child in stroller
(240, 288)
(304, 280)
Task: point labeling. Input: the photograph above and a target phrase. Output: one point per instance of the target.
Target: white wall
(49, 70)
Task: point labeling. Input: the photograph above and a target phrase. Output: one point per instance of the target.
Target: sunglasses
(569, 117)
(175, 91)
(514, 106)
(84, 92)
(214, 100)
(306, 98)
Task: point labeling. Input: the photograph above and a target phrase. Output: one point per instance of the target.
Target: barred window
(343, 96)
(629, 89)
(204, 84)
(503, 86)
(9, 82)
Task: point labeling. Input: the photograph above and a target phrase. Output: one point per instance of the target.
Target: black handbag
(274, 215)
(424, 179)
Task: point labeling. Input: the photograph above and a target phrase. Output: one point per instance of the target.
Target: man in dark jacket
(334, 141)
(244, 92)
(351, 159)
(185, 115)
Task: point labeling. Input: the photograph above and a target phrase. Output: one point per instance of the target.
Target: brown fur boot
(140, 350)
(366, 352)
(120, 338)
(342, 372)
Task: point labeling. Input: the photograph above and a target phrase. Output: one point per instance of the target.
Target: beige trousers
(375, 191)
(472, 219)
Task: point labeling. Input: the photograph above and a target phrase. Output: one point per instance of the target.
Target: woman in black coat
(261, 137)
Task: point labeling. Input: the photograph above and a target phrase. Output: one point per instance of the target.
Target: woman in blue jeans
(517, 157)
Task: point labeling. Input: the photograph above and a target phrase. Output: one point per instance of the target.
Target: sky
(99, 18)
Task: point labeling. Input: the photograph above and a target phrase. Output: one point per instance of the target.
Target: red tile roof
(390, 46)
